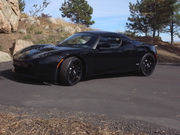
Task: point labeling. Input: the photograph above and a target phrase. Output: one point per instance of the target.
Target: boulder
(4, 57)
(78, 29)
(52, 20)
(19, 45)
(46, 27)
(68, 29)
(9, 15)
(31, 20)
(23, 31)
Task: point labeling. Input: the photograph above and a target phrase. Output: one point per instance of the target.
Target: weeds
(38, 32)
(27, 37)
(50, 39)
(30, 29)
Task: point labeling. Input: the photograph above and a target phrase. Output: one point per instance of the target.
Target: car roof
(106, 33)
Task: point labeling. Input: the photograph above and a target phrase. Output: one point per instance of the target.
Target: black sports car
(86, 54)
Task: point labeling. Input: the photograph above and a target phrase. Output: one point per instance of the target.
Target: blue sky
(109, 15)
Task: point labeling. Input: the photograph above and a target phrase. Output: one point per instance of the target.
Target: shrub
(43, 15)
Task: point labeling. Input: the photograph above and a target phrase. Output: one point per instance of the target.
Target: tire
(71, 71)
(147, 64)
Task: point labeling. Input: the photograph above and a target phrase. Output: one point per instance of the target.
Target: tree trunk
(154, 33)
(172, 32)
(158, 33)
(146, 32)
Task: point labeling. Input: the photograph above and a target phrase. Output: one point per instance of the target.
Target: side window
(113, 42)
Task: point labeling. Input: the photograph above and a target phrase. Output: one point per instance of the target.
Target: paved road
(154, 99)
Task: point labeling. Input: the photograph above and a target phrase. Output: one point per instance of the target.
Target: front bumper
(31, 69)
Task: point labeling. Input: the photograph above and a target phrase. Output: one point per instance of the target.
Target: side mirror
(103, 46)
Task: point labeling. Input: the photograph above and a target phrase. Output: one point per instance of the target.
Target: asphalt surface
(154, 99)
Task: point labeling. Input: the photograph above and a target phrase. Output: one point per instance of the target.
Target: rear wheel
(147, 64)
(71, 71)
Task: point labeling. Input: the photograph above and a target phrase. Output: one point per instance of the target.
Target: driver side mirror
(103, 46)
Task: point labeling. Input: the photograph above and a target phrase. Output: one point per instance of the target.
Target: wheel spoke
(148, 64)
(75, 71)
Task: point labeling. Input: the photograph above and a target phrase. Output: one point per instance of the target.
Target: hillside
(47, 30)
(40, 30)
(166, 52)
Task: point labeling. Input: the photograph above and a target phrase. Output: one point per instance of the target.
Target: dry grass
(48, 32)
(165, 56)
(11, 124)
(45, 33)
(166, 52)
(177, 44)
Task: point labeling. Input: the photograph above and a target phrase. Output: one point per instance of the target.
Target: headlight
(50, 59)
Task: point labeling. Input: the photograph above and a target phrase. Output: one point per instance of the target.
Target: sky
(109, 15)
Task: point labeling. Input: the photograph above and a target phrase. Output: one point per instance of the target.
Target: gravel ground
(15, 120)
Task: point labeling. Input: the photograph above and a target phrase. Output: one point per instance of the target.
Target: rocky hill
(9, 15)
(39, 30)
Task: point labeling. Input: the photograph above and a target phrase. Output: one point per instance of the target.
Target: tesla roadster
(86, 54)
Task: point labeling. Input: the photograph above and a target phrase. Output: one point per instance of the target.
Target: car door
(111, 55)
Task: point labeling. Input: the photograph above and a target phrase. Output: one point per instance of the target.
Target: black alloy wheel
(71, 71)
(147, 64)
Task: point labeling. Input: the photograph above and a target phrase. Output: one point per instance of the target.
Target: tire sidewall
(141, 71)
(64, 69)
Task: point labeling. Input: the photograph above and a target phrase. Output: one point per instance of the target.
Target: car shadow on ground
(108, 76)
(10, 75)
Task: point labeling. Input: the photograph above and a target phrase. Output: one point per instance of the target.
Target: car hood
(38, 51)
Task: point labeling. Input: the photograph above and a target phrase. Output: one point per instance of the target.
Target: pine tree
(152, 15)
(79, 11)
(174, 25)
(137, 22)
(157, 12)
(21, 5)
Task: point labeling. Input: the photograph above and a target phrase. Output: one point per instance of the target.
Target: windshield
(79, 40)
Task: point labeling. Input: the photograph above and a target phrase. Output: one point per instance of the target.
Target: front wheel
(147, 64)
(71, 71)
